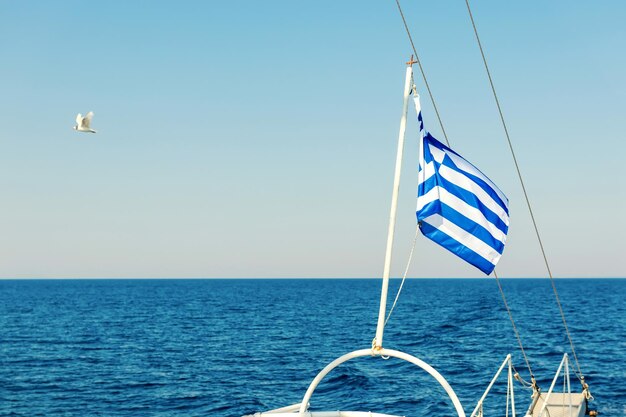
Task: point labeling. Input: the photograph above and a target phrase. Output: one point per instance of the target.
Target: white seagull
(83, 124)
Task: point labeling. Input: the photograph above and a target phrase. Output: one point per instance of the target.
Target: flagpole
(378, 341)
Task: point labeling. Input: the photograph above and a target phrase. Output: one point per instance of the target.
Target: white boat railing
(323, 414)
(384, 353)
(560, 404)
(567, 398)
(510, 396)
(564, 361)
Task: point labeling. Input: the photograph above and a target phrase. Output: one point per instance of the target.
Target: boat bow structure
(462, 210)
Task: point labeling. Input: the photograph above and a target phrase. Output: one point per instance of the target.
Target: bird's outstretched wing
(79, 119)
(87, 120)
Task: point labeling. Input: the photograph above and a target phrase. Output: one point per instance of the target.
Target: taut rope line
(519, 339)
(419, 63)
(579, 373)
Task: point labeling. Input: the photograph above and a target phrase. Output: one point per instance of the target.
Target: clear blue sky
(257, 139)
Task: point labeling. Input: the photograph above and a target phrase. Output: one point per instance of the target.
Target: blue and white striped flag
(458, 207)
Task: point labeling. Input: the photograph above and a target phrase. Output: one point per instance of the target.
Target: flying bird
(83, 124)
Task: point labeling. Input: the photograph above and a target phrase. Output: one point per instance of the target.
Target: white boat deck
(559, 405)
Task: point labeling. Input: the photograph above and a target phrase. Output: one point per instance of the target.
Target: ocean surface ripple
(233, 347)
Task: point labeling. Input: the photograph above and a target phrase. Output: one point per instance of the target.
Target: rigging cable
(517, 335)
(519, 339)
(419, 63)
(432, 99)
(579, 373)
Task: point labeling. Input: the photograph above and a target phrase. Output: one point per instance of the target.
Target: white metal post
(512, 387)
(378, 342)
(547, 398)
(508, 394)
(493, 380)
(569, 391)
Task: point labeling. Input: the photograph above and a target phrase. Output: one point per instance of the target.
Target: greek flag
(458, 207)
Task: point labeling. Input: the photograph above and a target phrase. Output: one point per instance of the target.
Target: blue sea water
(232, 347)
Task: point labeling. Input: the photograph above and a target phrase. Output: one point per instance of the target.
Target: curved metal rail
(382, 352)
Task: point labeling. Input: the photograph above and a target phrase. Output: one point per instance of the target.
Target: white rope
(516, 375)
(406, 271)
